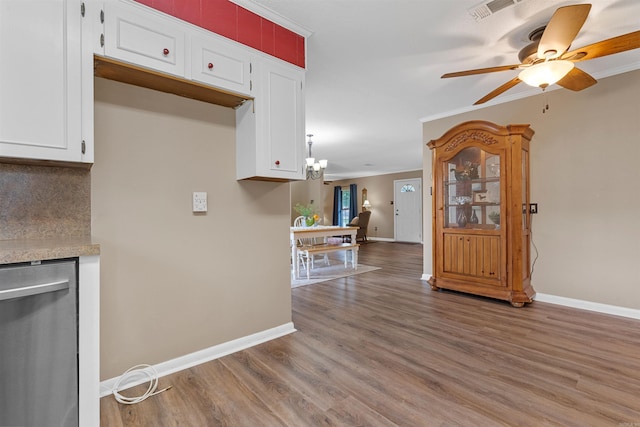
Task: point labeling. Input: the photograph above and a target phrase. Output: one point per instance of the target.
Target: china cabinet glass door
(472, 190)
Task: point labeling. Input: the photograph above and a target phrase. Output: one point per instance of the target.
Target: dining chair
(300, 222)
(307, 262)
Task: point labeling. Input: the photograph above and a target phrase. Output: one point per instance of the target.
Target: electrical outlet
(533, 208)
(199, 201)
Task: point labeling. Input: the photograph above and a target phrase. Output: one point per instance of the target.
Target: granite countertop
(25, 250)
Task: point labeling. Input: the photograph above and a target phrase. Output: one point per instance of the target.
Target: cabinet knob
(277, 162)
(210, 66)
(165, 51)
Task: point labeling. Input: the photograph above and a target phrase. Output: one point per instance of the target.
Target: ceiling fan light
(545, 73)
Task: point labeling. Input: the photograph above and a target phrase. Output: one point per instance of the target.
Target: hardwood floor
(383, 349)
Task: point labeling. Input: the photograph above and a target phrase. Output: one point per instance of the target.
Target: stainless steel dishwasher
(39, 344)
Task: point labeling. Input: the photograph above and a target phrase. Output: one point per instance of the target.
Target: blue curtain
(353, 201)
(337, 204)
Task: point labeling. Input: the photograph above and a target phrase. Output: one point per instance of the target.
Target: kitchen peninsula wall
(40, 202)
(212, 277)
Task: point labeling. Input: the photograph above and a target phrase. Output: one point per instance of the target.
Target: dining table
(317, 231)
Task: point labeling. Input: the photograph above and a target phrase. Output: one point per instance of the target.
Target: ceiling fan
(547, 59)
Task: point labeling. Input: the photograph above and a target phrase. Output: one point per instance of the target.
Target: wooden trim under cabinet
(127, 73)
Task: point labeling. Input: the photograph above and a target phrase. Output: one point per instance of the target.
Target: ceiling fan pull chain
(545, 103)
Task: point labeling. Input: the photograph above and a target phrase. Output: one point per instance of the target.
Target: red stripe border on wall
(237, 23)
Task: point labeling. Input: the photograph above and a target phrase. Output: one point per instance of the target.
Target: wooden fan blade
(577, 80)
(562, 29)
(610, 46)
(481, 71)
(505, 87)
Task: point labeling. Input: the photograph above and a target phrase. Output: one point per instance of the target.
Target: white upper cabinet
(270, 140)
(44, 72)
(219, 63)
(47, 70)
(270, 143)
(144, 37)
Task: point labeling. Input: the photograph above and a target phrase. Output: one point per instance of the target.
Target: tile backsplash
(39, 202)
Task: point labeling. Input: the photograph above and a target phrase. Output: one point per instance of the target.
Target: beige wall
(174, 282)
(586, 180)
(306, 193)
(380, 195)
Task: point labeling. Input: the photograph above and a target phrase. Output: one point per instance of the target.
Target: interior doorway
(407, 196)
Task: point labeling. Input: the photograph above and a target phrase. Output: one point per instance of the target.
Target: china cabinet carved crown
(481, 220)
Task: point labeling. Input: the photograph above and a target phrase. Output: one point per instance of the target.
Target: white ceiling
(374, 67)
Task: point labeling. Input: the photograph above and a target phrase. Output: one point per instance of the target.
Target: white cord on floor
(139, 371)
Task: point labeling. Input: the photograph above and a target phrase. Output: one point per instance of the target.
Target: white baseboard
(380, 239)
(202, 356)
(581, 304)
(425, 276)
(588, 305)
(387, 239)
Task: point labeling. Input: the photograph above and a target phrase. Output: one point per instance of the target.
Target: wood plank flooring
(383, 349)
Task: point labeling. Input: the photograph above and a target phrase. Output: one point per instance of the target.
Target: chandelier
(314, 169)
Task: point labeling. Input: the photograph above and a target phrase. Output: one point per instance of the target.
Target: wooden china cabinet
(481, 222)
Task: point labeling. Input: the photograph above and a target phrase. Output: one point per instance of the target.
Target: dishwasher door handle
(25, 291)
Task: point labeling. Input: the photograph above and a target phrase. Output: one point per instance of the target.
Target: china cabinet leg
(517, 304)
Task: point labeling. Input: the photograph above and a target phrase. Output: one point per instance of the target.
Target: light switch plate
(199, 201)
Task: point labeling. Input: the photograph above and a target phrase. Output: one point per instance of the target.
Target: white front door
(407, 195)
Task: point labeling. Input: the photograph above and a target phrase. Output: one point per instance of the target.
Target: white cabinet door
(41, 82)
(270, 131)
(221, 64)
(143, 37)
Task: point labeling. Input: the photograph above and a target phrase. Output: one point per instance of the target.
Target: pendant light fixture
(314, 169)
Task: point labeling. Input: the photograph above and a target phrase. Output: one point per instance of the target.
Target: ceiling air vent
(486, 9)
